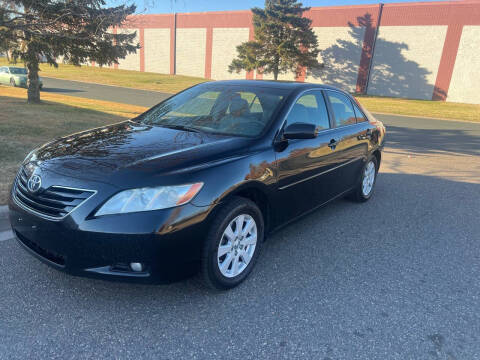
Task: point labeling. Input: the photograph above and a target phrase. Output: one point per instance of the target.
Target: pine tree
(284, 40)
(77, 30)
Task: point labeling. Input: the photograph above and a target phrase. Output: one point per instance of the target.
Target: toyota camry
(196, 183)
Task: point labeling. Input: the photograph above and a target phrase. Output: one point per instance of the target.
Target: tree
(77, 30)
(284, 40)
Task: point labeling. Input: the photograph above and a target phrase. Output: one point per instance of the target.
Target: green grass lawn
(426, 108)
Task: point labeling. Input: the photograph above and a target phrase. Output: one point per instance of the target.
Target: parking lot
(396, 278)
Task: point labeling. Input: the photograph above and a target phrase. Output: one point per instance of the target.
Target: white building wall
(224, 50)
(191, 51)
(131, 61)
(464, 85)
(157, 50)
(406, 61)
(340, 52)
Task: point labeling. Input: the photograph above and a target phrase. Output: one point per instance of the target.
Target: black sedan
(196, 182)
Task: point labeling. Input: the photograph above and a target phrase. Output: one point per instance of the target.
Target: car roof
(278, 84)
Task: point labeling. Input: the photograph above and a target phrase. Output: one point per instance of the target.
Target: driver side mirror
(300, 131)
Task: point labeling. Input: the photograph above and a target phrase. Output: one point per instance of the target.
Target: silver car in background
(15, 76)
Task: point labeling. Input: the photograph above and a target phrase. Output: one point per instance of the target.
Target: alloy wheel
(368, 178)
(237, 246)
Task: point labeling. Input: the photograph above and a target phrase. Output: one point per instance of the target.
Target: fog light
(137, 267)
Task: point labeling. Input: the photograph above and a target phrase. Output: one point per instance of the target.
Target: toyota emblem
(34, 183)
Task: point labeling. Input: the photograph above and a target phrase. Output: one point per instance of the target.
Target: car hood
(129, 151)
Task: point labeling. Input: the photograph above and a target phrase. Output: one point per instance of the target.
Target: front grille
(47, 254)
(55, 203)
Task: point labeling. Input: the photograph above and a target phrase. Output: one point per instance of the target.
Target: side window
(359, 114)
(310, 108)
(342, 109)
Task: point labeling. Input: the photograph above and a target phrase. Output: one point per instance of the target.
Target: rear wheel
(233, 244)
(364, 189)
(12, 82)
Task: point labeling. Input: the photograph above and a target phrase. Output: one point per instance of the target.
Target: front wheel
(233, 244)
(12, 82)
(364, 189)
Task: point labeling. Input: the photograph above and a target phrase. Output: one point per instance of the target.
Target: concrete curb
(3, 211)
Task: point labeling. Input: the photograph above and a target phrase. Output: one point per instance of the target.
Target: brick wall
(423, 50)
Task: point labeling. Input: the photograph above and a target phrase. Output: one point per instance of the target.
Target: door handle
(333, 144)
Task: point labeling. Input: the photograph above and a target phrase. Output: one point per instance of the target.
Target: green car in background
(15, 76)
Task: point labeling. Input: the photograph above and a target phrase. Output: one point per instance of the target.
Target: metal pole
(373, 47)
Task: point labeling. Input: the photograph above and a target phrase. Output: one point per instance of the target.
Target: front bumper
(168, 242)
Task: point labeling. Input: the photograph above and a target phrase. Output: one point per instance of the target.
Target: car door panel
(306, 167)
(351, 149)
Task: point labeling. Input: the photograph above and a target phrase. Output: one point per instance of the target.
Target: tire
(12, 82)
(362, 192)
(240, 253)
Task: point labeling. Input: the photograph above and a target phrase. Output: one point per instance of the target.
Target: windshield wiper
(181, 127)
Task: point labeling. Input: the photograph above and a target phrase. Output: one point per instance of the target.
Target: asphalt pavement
(394, 278)
(103, 92)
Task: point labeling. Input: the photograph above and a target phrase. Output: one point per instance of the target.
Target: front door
(306, 168)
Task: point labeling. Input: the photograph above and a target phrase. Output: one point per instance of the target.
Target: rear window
(342, 109)
(358, 113)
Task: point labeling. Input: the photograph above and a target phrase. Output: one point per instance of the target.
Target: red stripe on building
(208, 53)
(339, 15)
(153, 21)
(447, 62)
(172, 44)
(221, 19)
(251, 36)
(141, 35)
(370, 23)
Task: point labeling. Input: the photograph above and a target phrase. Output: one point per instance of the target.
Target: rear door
(351, 148)
(306, 166)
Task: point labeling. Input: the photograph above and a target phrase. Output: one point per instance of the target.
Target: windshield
(222, 109)
(18, 71)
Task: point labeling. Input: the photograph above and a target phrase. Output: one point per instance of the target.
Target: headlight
(32, 156)
(145, 199)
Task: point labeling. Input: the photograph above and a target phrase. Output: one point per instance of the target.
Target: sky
(169, 6)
